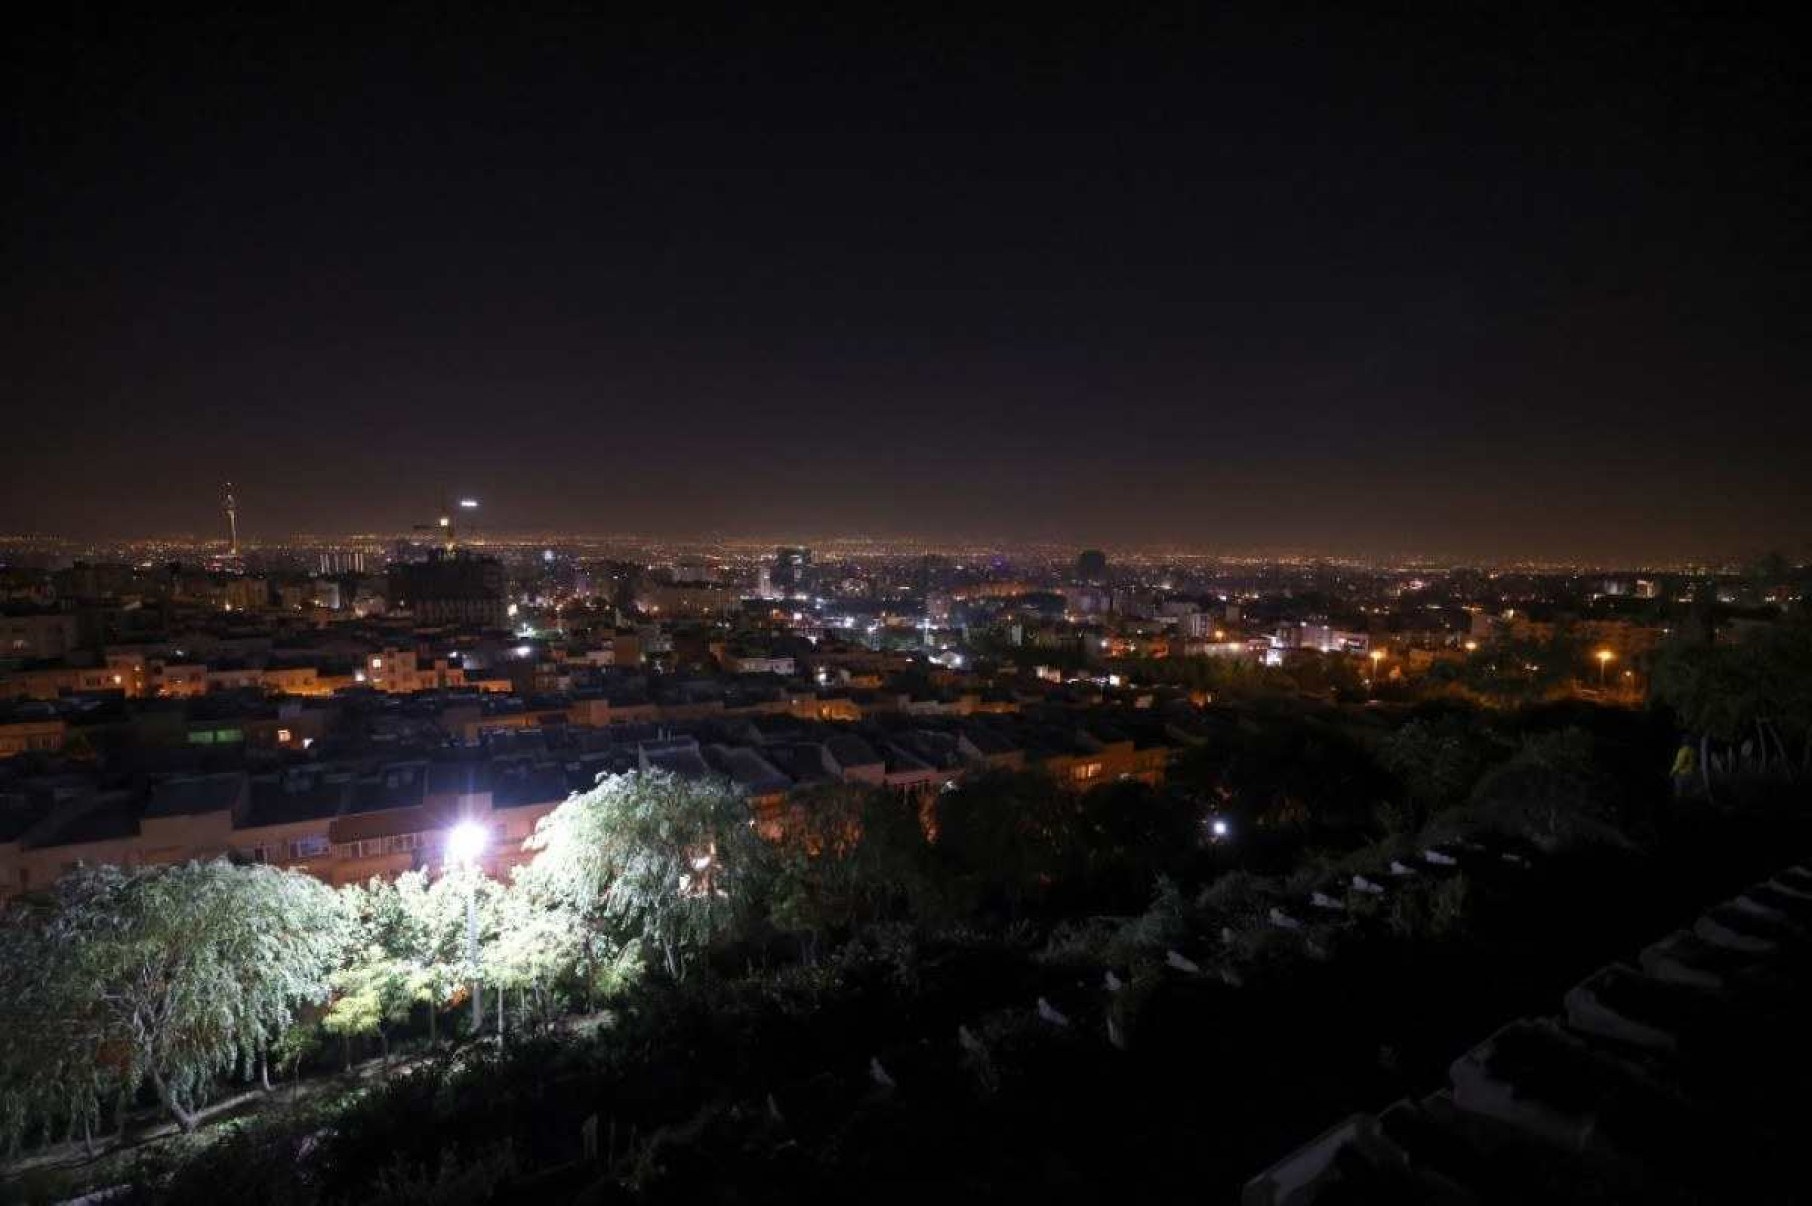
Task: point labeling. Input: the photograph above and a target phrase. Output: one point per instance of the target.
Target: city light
(470, 504)
(466, 842)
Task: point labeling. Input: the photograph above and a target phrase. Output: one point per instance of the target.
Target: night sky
(1487, 283)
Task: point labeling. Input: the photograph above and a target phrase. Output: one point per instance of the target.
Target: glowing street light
(466, 842)
(1605, 657)
(465, 845)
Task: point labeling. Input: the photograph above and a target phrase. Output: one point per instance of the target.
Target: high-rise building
(792, 571)
(451, 588)
(338, 561)
(1091, 566)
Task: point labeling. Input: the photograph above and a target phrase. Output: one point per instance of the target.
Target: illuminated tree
(372, 995)
(653, 858)
(167, 975)
(391, 961)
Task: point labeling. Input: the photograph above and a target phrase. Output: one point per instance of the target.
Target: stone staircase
(1676, 1077)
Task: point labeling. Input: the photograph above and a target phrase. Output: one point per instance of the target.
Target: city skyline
(1229, 546)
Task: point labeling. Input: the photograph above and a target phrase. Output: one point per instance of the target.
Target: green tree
(847, 855)
(1758, 689)
(667, 862)
(1438, 760)
(1002, 839)
(533, 946)
(1553, 793)
(167, 975)
(1129, 835)
(371, 996)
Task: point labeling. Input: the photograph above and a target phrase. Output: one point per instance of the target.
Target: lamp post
(1377, 656)
(464, 845)
(1604, 657)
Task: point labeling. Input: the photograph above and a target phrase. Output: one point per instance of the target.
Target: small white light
(1220, 828)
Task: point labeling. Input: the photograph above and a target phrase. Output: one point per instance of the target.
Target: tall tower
(232, 514)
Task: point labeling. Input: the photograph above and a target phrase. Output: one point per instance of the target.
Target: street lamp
(1605, 657)
(465, 843)
(1377, 656)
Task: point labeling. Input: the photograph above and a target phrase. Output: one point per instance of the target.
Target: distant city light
(523, 650)
(469, 504)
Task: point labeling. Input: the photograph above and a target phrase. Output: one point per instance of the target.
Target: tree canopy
(171, 975)
(669, 862)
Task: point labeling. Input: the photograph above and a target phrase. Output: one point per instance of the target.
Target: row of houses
(347, 821)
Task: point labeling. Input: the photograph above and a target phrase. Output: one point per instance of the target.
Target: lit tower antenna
(465, 504)
(232, 514)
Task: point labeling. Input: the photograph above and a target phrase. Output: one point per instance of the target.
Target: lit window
(284, 736)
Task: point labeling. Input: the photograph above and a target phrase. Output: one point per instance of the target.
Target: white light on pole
(465, 845)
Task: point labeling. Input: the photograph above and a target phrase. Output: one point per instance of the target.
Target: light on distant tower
(232, 514)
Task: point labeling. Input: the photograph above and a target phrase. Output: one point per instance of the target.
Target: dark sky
(1487, 282)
